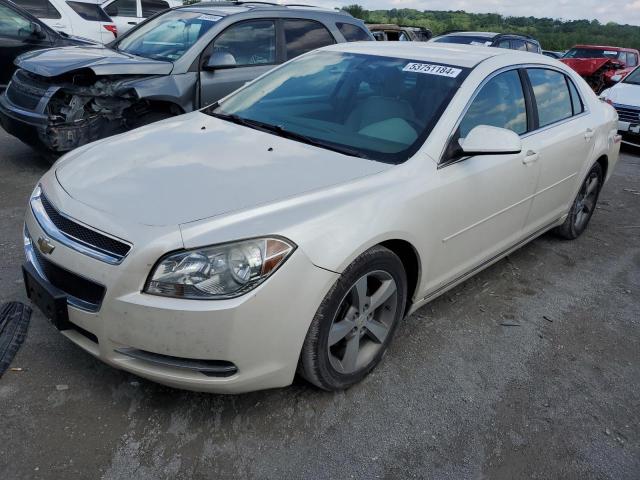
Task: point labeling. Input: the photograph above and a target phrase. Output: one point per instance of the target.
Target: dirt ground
(529, 370)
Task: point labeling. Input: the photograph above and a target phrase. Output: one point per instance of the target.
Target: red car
(597, 64)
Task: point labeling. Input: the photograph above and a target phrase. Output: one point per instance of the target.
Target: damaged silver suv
(177, 61)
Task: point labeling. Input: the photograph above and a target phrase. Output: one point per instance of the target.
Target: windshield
(168, 36)
(465, 40)
(633, 77)
(361, 105)
(592, 53)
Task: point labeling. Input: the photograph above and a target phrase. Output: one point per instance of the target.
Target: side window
(518, 45)
(89, 11)
(632, 59)
(40, 9)
(504, 44)
(12, 24)
(352, 33)
(251, 43)
(302, 36)
(151, 7)
(551, 95)
(500, 103)
(532, 47)
(122, 8)
(576, 102)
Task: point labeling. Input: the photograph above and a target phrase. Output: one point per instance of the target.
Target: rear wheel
(583, 205)
(355, 322)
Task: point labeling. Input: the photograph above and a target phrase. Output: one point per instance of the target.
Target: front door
(485, 199)
(252, 44)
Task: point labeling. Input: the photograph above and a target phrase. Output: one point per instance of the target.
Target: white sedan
(291, 227)
(625, 98)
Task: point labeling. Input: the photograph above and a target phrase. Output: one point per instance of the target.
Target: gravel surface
(531, 369)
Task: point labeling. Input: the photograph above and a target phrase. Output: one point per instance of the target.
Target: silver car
(176, 62)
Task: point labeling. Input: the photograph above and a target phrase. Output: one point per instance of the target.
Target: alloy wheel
(586, 201)
(362, 322)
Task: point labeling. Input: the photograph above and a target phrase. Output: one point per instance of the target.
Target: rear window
(89, 11)
(352, 33)
(465, 40)
(151, 7)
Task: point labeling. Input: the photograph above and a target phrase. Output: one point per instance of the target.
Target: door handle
(131, 23)
(588, 134)
(530, 157)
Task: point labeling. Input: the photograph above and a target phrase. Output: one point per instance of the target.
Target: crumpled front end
(596, 71)
(58, 114)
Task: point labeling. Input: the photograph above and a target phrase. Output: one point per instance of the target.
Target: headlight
(220, 271)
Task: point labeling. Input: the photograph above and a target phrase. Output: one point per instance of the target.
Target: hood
(196, 166)
(103, 61)
(624, 94)
(585, 66)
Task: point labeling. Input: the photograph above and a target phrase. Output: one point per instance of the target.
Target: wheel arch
(603, 160)
(410, 261)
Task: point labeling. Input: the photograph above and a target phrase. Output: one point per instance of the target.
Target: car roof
(231, 8)
(464, 33)
(605, 47)
(465, 56)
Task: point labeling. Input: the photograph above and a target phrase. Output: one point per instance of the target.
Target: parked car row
(289, 227)
(178, 61)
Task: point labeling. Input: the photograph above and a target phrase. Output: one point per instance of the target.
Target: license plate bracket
(51, 301)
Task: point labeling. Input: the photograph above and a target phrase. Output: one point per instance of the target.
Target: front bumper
(630, 133)
(169, 340)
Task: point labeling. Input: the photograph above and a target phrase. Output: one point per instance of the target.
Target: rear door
(564, 140)
(252, 44)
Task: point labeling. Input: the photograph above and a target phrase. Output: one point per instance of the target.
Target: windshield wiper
(284, 133)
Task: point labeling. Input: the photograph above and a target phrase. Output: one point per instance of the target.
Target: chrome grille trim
(72, 241)
(627, 113)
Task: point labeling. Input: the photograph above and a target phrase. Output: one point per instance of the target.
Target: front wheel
(355, 322)
(583, 205)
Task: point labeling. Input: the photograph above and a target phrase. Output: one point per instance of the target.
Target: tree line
(553, 34)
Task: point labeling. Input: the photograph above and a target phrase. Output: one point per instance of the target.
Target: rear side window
(40, 8)
(89, 11)
(576, 102)
(151, 7)
(122, 8)
(499, 103)
(302, 36)
(352, 33)
(518, 45)
(551, 95)
(252, 43)
(632, 60)
(504, 44)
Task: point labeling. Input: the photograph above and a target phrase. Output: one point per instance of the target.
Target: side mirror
(616, 78)
(220, 60)
(36, 31)
(486, 140)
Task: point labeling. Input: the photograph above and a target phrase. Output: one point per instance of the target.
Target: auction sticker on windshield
(431, 69)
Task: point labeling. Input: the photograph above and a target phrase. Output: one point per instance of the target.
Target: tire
(583, 206)
(14, 322)
(363, 308)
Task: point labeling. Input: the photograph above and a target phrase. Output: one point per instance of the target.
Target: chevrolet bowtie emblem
(45, 245)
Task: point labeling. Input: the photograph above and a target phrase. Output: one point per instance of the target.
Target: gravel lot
(529, 370)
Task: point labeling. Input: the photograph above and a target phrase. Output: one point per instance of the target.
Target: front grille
(24, 91)
(70, 283)
(85, 235)
(628, 114)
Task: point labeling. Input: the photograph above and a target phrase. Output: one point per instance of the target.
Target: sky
(620, 11)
